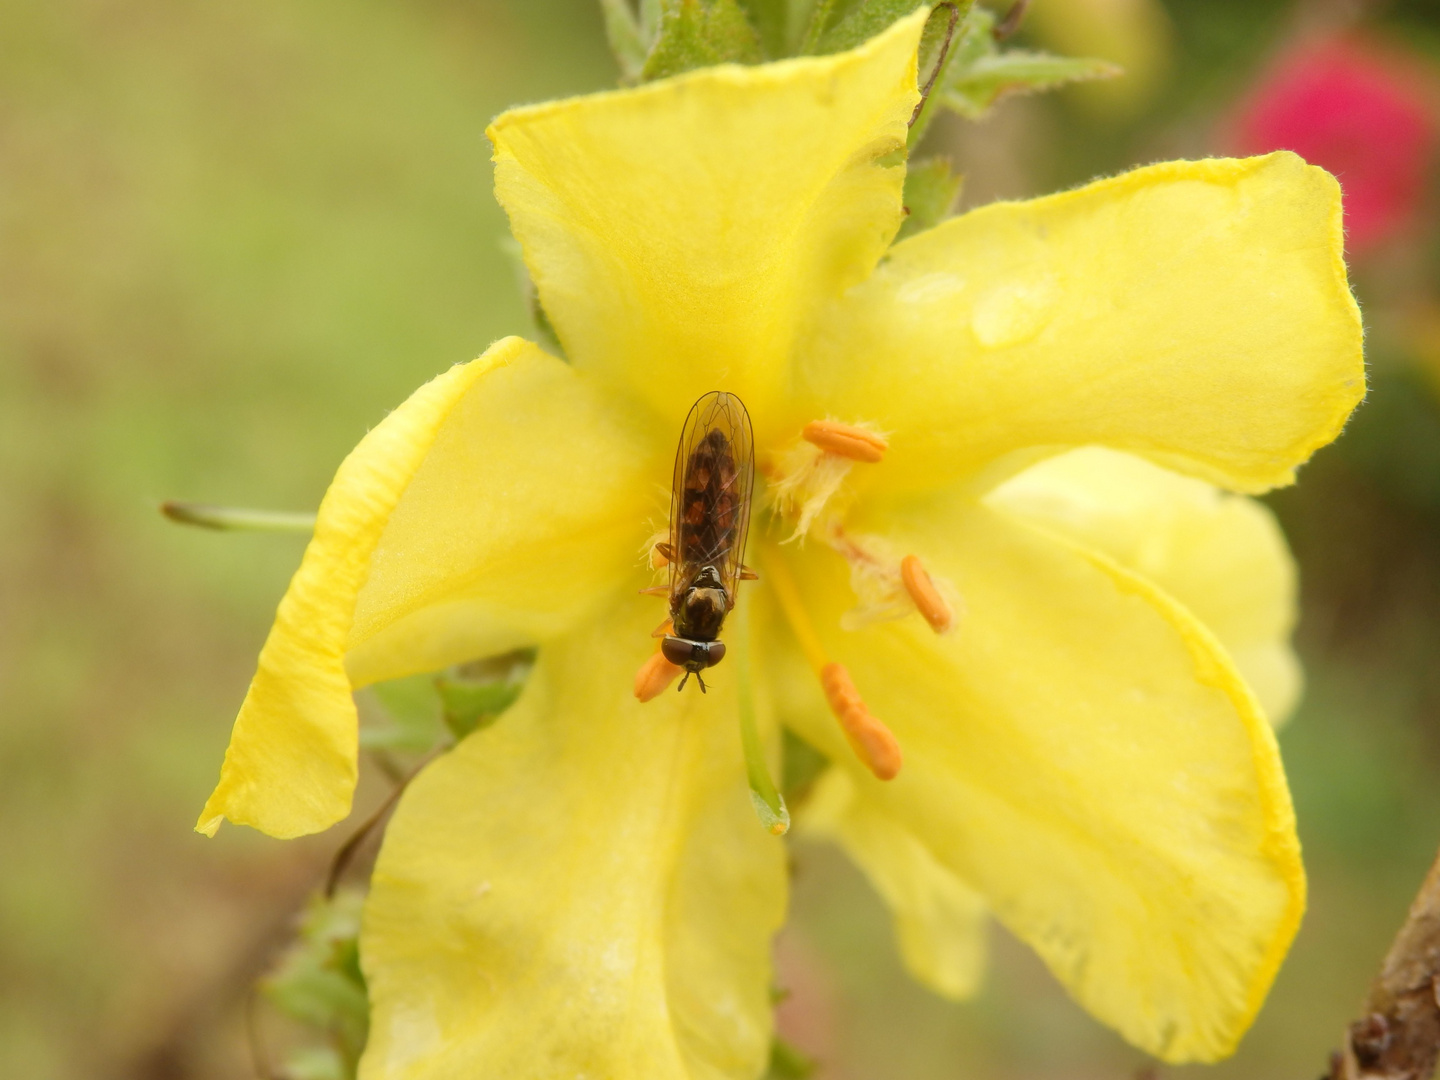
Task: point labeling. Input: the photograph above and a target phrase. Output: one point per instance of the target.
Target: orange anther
(845, 440)
(872, 741)
(928, 601)
(654, 676)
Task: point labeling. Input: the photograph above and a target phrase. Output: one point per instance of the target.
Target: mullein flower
(996, 451)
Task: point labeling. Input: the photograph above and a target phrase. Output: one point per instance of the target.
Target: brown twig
(346, 851)
(1011, 22)
(1399, 1036)
(954, 20)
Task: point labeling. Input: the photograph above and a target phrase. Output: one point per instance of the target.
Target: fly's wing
(679, 577)
(739, 489)
(710, 499)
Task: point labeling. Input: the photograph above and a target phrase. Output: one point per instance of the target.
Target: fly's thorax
(702, 607)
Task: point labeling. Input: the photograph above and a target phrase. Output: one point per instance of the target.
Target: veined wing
(710, 498)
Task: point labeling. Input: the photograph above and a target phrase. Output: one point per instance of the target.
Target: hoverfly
(709, 518)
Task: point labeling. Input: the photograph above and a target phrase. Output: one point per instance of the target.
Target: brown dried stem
(1399, 1036)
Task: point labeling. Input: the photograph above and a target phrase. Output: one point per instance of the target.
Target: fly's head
(693, 656)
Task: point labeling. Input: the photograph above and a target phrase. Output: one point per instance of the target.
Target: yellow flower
(1056, 391)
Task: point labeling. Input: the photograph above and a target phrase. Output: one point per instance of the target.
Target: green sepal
(469, 707)
(627, 39)
(931, 188)
(474, 695)
(939, 47)
(316, 1063)
(803, 765)
(979, 73)
(1018, 71)
(862, 22)
(318, 981)
(787, 1063)
(409, 716)
(702, 33)
(771, 20)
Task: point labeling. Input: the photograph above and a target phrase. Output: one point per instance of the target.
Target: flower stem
(236, 519)
(768, 802)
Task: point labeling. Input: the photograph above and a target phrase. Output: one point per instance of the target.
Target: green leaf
(473, 695)
(821, 12)
(701, 33)
(972, 91)
(939, 47)
(975, 39)
(979, 73)
(803, 765)
(931, 188)
(787, 1063)
(863, 22)
(410, 716)
(623, 32)
(318, 981)
(771, 20)
(316, 1063)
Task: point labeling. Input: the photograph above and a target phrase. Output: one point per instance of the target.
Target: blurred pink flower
(1364, 113)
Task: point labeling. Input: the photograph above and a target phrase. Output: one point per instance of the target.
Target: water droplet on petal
(1015, 312)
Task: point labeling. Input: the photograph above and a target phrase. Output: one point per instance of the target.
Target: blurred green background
(233, 236)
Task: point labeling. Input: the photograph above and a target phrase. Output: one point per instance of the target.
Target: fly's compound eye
(692, 655)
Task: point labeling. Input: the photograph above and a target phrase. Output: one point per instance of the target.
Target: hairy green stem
(236, 519)
(769, 803)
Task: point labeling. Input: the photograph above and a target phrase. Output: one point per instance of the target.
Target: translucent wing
(710, 499)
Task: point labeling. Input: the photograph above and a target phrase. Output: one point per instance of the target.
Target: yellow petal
(939, 921)
(1195, 313)
(470, 520)
(580, 890)
(1222, 556)
(1082, 753)
(682, 234)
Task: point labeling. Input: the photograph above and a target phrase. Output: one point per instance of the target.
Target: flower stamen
(933, 607)
(873, 743)
(654, 677)
(845, 440)
(806, 475)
